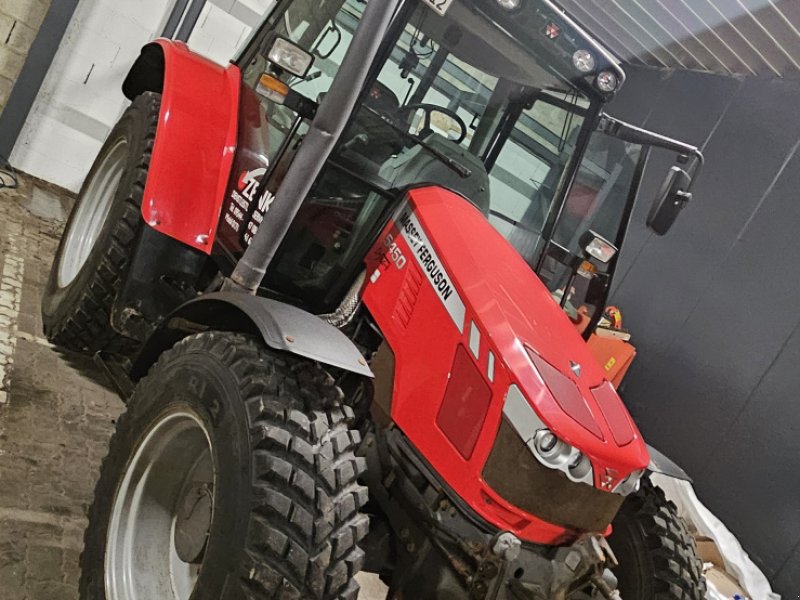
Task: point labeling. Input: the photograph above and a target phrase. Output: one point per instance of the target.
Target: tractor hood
(533, 341)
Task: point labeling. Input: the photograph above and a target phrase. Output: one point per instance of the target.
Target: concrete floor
(56, 415)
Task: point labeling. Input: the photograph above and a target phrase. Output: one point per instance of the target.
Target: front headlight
(515, 472)
(583, 61)
(545, 445)
(551, 451)
(290, 57)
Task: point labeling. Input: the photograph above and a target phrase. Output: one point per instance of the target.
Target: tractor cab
(498, 101)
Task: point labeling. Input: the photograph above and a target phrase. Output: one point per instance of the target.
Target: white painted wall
(81, 96)
(225, 25)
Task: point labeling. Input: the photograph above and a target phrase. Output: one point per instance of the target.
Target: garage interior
(711, 306)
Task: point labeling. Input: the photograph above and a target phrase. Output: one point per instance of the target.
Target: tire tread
(305, 523)
(677, 569)
(87, 327)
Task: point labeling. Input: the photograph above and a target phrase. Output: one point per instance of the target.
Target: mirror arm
(636, 135)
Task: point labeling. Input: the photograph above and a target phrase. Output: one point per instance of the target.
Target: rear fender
(195, 141)
(282, 327)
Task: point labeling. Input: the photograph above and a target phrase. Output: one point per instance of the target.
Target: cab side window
(324, 29)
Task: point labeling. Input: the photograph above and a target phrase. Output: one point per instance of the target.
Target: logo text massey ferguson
(427, 259)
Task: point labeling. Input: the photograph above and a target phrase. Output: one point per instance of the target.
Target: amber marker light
(272, 89)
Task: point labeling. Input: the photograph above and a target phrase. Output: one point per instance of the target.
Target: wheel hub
(162, 512)
(193, 522)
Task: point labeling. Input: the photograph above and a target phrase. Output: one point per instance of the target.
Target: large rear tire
(656, 552)
(100, 235)
(249, 454)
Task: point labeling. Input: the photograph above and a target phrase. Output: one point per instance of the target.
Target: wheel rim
(91, 213)
(142, 561)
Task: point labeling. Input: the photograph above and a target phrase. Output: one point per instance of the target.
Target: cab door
(269, 133)
(600, 200)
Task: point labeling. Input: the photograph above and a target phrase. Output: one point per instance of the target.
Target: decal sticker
(608, 478)
(552, 30)
(248, 183)
(440, 6)
(395, 252)
(241, 203)
(429, 262)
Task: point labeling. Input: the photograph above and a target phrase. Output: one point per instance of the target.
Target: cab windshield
(485, 102)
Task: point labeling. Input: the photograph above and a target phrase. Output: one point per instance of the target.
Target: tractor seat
(418, 166)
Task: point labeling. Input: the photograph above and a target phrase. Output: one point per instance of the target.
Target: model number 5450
(395, 253)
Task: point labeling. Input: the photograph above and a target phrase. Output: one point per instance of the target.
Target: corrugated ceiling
(746, 37)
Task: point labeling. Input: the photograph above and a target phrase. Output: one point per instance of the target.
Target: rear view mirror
(423, 123)
(672, 197)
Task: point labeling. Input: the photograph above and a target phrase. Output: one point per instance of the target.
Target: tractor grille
(520, 479)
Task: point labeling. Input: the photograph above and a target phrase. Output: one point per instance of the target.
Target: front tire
(656, 552)
(101, 233)
(262, 487)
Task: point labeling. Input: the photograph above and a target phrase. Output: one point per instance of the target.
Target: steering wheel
(429, 109)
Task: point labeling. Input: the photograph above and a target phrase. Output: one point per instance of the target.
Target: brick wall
(19, 22)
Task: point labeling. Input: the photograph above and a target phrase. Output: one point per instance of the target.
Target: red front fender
(195, 141)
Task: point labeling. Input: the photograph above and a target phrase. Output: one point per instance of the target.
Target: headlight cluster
(557, 454)
(551, 451)
(545, 446)
(513, 472)
(585, 62)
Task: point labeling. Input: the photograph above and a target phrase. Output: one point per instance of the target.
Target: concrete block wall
(225, 25)
(19, 23)
(81, 98)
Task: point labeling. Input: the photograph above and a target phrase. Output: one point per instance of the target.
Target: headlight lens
(290, 57)
(598, 247)
(583, 61)
(546, 441)
(510, 4)
(607, 82)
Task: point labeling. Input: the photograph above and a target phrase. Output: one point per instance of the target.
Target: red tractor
(343, 285)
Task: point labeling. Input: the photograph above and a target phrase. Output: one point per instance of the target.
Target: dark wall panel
(713, 306)
(764, 354)
(678, 113)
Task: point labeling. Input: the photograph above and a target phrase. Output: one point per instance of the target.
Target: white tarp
(737, 561)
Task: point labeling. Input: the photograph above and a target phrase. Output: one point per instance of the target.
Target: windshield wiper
(456, 166)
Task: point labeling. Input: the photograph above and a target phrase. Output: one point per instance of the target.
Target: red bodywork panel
(458, 283)
(194, 148)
